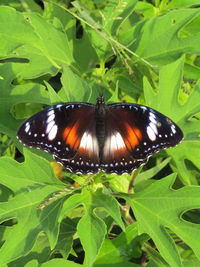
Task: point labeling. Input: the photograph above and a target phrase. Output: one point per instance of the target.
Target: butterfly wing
(133, 133)
(68, 132)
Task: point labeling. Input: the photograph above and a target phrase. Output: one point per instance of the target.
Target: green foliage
(135, 51)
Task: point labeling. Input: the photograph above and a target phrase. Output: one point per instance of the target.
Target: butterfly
(85, 138)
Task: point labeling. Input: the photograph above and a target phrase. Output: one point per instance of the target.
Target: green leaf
(74, 87)
(158, 208)
(31, 182)
(145, 175)
(148, 10)
(113, 251)
(54, 97)
(167, 43)
(11, 96)
(92, 239)
(191, 263)
(182, 3)
(115, 13)
(27, 5)
(166, 101)
(65, 238)
(20, 176)
(156, 259)
(40, 251)
(31, 29)
(60, 263)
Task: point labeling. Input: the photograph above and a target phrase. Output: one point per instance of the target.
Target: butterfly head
(100, 100)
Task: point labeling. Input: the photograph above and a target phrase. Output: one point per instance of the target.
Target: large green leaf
(159, 208)
(93, 238)
(31, 182)
(166, 101)
(153, 41)
(30, 29)
(39, 48)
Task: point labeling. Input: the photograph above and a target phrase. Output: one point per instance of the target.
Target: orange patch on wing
(134, 136)
(70, 136)
(66, 132)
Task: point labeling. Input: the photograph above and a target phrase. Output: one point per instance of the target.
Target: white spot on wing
(119, 140)
(113, 143)
(152, 118)
(151, 133)
(89, 143)
(50, 112)
(153, 127)
(51, 118)
(59, 106)
(27, 127)
(151, 114)
(83, 142)
(173, 128)
(49, 126)
(53, 132)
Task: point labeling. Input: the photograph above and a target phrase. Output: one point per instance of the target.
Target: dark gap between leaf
(152, 162)
(115, 231)
(195, 6)
(14, 60)
(55, 82)
(193, 170)
(19, 156)
(79, 252)
(79, 30)
(9, 223)
(110, 62)
(40, 3)
(192, 216)
(5, 193)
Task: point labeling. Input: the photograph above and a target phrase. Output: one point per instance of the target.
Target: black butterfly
(86, 138)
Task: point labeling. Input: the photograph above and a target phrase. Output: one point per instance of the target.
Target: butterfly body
(86, 138)
(100, 115)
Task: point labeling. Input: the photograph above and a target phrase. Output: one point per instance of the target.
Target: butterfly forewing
(61, 130)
